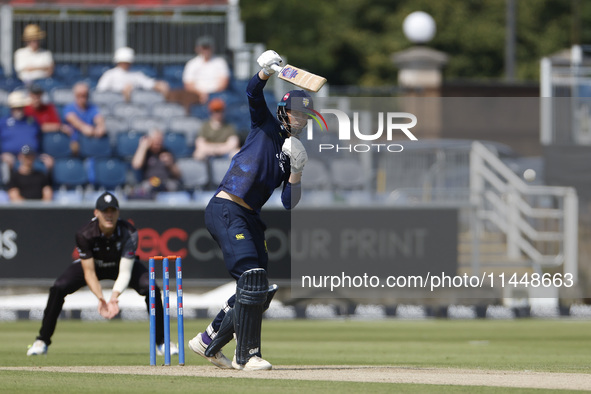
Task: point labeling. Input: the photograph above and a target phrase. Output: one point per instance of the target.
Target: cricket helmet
(296, 100)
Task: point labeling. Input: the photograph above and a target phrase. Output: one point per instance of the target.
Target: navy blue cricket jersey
(260, 167)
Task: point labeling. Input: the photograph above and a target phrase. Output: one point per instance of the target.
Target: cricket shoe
(37, 348)
(219, 360)
(255, 363)
(174, 349)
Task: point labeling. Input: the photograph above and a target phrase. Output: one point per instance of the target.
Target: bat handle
(276, 67)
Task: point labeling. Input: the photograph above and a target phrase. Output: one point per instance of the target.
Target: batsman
(272, 156)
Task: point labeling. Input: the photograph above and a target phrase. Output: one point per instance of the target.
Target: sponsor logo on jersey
(239, 236)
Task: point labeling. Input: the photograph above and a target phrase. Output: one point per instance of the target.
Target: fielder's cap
(17, 99)
(298, 100)
(124, 55)
(106, 200)
(33, 32)
(217, 104)
(204, 41)
(26, 150)
(36, 89)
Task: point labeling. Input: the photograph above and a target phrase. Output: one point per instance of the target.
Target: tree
(351, 41)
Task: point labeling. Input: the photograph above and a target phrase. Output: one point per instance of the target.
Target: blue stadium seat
(3, 96)
(173, 198)
(115, 124)
(347, 174)
(167, 110)
(96, 70)
(219, 166)
(147, 123)
(11, 83)
(194, 173)
(147, 69)
(68, 197)
(129, 110)
(109, 98)
(69, 173)
(173, 72)
(48, 83)
(91, 82)
(238, 86)
(95, 147)
(56, 145)
(127, 144)
(199, 111)
(188, 125)
(146, 97)
(61, 96)
(176, 143)
(230, 98)
(67, 72)
(109, 173)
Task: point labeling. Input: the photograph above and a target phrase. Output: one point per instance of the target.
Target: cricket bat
(299, 77)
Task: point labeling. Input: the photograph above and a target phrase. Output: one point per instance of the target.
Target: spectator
(26, 182)
(45, 113)
(206, 73)
(159, 169)
(217, 138)
(31, 62)
(83, 116)
(18, 130)
(121, 79)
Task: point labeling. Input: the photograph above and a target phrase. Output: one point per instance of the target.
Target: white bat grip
(276, 67)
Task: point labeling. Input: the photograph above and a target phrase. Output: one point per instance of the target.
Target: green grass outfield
(521, 345)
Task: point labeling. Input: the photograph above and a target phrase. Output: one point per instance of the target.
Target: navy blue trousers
(240, 233)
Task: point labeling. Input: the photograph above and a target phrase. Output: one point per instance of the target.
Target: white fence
(540, 223)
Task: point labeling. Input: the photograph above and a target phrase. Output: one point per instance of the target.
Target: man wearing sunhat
(124, 80)
(32, 62)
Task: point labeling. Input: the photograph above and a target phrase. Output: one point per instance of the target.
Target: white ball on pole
(419, 27)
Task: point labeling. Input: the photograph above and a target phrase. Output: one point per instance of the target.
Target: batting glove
(267, 59)
(297, 154)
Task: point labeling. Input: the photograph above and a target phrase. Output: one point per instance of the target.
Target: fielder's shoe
(174, 349)
(219, 360)
(38, 347)
(255, 363)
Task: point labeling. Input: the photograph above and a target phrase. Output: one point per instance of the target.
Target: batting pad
(226, 331)
(224, 335)
(251, 293)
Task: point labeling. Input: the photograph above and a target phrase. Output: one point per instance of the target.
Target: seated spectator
(122, 80)
(18, 130)
(206, 73)
(31, 62)
(217, 138)
(83, 116)
(45, 113)
(158, 166)
(26, 182)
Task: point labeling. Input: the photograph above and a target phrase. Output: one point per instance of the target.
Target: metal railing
(540, 223)
(86, 35)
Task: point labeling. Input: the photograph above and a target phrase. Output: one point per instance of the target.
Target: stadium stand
(56, 145)
(69, 173)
